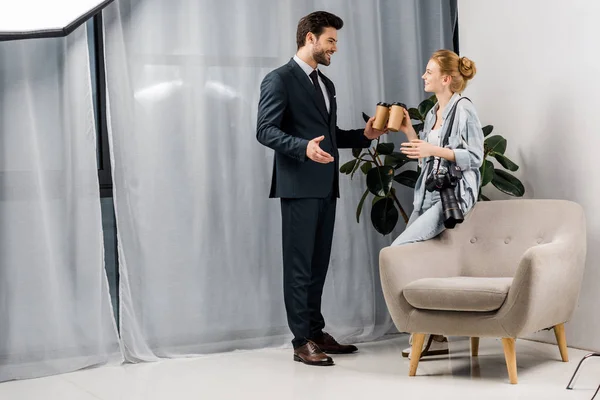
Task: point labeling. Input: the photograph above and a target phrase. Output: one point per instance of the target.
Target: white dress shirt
(308, 70)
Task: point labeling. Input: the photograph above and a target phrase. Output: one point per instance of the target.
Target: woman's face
(434, 81)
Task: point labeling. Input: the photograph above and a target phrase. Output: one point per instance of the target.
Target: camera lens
(452, 212)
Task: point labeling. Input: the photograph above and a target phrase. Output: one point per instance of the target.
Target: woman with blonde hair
(446, 75)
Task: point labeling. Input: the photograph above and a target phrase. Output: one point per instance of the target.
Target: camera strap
(431, 164)
(448, 130)
(451, 122)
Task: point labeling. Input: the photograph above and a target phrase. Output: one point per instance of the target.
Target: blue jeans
(422, 226)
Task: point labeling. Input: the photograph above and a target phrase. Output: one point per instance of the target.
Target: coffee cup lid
(399, 104)
(381, 103)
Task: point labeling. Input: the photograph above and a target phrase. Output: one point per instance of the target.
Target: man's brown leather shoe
(329, 345)
(311, 354)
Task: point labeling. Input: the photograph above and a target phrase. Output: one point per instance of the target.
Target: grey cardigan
(466, 139)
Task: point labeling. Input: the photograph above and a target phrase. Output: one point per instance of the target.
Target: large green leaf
(377, 198)
(400, 156)
(407, 178)
(425, 106)
(356, 152)
(505, 162)
(418, 127)
(379, 180)
(366, 167)
(487, 130)
(384, 216)
(496, 144)
(361, 204)
(487, 172)
(391, 161)
(365, 117)
(507, 183)
(396, 160)
(385, 148)
(348, 167)
(415, 114)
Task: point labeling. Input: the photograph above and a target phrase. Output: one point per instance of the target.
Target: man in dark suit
(297, 118)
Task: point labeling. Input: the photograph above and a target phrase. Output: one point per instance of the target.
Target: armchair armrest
(401, 265)
(545, 288)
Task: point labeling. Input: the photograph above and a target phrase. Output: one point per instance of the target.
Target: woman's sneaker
(433, 345)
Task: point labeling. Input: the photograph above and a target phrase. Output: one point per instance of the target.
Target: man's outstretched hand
(315, 153)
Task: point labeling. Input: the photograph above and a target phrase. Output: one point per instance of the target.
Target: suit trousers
(307, 227)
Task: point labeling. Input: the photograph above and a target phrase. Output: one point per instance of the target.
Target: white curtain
(55, 313)
(199, 240)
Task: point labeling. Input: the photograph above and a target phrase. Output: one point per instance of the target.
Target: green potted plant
(381, 173)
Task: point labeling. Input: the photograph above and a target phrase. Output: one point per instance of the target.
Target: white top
(308, 70)
(434, 137)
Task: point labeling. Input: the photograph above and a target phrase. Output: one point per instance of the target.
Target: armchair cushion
(458, 293)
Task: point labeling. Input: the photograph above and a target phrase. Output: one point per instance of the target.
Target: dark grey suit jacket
(288, 118)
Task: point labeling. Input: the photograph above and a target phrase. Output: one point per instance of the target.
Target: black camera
(443, 178)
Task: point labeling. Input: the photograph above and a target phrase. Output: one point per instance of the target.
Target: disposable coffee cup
(382, 113)
(396, 116)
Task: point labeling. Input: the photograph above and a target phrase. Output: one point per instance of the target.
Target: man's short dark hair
(315, 23)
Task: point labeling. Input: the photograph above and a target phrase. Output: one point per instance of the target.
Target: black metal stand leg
(570, 385)
(595, 393)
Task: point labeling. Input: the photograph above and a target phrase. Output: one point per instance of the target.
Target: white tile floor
(378, 369)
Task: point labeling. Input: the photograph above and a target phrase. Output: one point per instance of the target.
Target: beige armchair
(510, 269)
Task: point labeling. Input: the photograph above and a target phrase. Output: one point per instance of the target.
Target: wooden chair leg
(561, 339)
(415, 354)
(511, 358)
(474, 346)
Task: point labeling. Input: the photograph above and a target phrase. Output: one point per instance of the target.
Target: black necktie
(314, 76)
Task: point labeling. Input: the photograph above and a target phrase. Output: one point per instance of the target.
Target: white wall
(537, 81)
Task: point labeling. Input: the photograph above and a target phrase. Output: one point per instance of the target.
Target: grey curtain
(55, 312)
(199, 240)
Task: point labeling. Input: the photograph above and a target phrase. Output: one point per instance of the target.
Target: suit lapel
(308, 86)
(332, 103)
